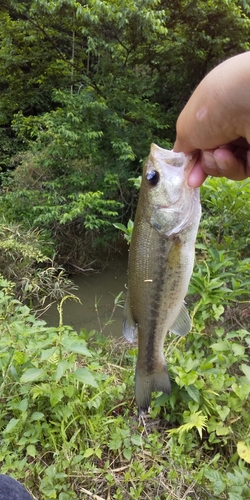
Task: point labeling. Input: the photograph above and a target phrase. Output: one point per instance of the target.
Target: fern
(194, 420)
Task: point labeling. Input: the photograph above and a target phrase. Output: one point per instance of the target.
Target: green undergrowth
(68, 421)
(69, 426)
(27, 258)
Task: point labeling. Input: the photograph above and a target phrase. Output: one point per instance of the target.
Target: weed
(68, 421)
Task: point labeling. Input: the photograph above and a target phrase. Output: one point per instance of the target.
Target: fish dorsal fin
(182, 324)
(129, 326)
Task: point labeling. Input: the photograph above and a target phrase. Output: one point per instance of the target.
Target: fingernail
(221, 164)
(208, 159)
(212, 160)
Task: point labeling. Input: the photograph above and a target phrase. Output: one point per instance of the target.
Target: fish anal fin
(182, 324)
(146, 383)
(129, 326)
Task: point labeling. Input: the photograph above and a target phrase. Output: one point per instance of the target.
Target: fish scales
(160, 266)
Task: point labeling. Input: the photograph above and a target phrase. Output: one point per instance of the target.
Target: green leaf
(89, 452)
(223, 431)
(61, 369)
(127, 453)
(219, 487)
(223, 412)
(193, 420)
(193, 393)
(120, 226)
(56, 396)
(36, 415)
(85, 376)
(235, 495)
(213, 475)
(77, 347)
(238, 349)
(186, 379)
(136, 439)
(11, 425)
(32, 374)
(221, 346)
(246, 370)
(98, 452)
(47, 353)
(218, 311)
(14, 373)
(31, 450)
(215, 478)
(241, 390)
(23, 405)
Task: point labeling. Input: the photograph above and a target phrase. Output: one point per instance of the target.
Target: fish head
(172, 205)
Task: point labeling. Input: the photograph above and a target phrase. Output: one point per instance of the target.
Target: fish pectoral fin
(129, 326)
(129, 331)
(182, 324)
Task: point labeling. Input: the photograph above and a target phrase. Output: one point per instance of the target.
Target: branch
(92, 495)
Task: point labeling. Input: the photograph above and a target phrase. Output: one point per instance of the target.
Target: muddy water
(100, 288)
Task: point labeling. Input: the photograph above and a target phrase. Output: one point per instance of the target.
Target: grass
(68, 422)
(69, 426)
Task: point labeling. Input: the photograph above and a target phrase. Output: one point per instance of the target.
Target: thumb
(183, 146)
(184, 142)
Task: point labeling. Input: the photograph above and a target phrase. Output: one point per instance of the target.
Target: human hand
(216, 121)
(231, 161)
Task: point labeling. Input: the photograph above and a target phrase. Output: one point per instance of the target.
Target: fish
(161, 260)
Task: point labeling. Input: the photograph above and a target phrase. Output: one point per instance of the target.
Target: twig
(172, 462)
(85, 269)
(108, 497)
(120, 469)
(92, 495)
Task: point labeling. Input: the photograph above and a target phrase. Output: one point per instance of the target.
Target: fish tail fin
(146, 383)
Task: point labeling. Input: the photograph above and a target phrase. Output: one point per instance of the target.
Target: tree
(94, 83)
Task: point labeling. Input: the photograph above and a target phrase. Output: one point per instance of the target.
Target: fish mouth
(173, 158)
(192, 160)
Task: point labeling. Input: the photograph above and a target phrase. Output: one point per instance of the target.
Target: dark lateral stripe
(154, 305)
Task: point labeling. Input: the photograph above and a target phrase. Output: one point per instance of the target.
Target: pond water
(99, 288)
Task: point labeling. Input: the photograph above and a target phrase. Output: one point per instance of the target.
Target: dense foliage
(84, 89)
(68, 421)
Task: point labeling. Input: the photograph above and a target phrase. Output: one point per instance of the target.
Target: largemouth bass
(161, 260)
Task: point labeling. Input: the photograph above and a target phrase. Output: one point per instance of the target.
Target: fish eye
(153, 177)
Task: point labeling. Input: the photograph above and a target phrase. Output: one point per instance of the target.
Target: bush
(70, 202)
(68, 421)
(26, 257)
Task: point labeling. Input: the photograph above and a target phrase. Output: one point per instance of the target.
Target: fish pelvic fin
(182, 324)
(129, 326)
(146, 383)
